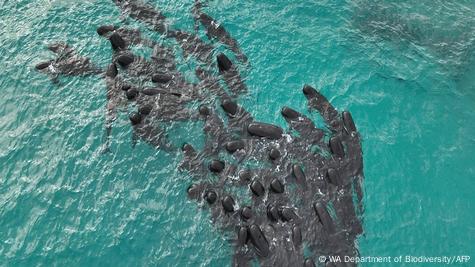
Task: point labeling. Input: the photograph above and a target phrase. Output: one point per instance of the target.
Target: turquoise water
(406, 71)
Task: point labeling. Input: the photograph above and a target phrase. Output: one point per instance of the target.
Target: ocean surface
(405, 69)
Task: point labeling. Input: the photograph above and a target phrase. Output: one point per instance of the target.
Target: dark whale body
(67, 63)
(143, 12)
(231, 75)
(215, 30)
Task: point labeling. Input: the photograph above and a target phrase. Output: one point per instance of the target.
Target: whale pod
(265, 130)
(257, 188)
(276, 186)
(259, 240)
(336, 146)
(233, 146)
(287, 217)
(216, 166)
(228, 204)
(224, 64)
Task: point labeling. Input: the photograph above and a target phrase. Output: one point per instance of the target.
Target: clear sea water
(405, 69)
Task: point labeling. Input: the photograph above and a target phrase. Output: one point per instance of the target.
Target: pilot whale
(67, 62)
(216, 31)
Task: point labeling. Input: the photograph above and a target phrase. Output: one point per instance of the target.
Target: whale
(143, 12)
(148, 131)
(125, 35)
(192, 45)
(115, 100)
(231, 75)
(67, 63)
(216, 31)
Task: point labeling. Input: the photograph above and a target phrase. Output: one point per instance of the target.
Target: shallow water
(405, 70)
